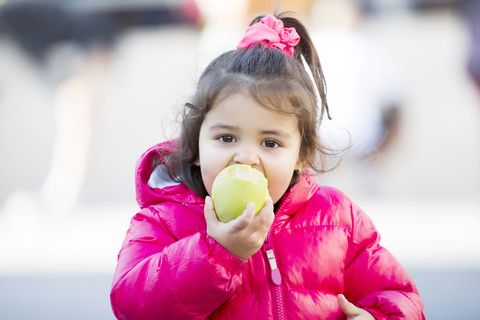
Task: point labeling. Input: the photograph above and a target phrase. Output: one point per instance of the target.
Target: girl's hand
(244, 235)
(351, 311)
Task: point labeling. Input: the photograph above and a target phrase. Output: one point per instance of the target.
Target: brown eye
(226, 139)
(270, 144)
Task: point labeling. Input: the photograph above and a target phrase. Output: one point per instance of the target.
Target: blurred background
(87, 86)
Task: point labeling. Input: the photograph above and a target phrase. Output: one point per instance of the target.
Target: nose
(247, 154)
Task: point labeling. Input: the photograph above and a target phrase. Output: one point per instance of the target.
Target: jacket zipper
(276, 281)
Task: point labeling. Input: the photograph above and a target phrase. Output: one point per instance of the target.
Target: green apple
(236, 186)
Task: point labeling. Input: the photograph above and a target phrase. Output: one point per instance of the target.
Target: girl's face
(237, 130)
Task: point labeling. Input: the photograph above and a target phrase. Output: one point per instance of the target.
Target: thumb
(347, 307)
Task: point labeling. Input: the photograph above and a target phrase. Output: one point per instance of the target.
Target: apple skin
(236, 186)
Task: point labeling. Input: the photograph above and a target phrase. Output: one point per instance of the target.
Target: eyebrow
(279, 133)
(223, 126)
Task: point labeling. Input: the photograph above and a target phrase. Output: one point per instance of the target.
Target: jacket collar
(298, 195)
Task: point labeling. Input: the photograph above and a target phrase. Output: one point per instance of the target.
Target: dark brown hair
(275, 80)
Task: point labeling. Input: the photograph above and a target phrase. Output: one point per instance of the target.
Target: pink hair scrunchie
(270, 33)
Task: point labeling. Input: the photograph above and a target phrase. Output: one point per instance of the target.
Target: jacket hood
(152, 182)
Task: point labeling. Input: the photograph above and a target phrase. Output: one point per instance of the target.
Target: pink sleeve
(158, 277)
(374, 279)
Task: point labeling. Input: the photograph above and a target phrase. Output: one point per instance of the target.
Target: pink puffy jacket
(320, 245)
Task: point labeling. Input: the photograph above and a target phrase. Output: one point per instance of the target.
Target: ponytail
(305, 52)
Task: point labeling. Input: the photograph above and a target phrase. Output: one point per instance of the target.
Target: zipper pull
(274, 272)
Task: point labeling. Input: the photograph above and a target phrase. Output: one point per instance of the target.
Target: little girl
(309, 254)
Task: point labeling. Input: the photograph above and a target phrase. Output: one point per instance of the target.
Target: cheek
(208, 175)
(210, 167)
(208, 185)
(280, 176)
(278, 184)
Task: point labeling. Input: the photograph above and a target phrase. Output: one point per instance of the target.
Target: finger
(246, 217)
(266, 214)
(209, 211)
(347, 307)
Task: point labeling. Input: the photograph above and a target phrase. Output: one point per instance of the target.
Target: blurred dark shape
(376, 7)
(470, 10)
(184, 12)
(37, 25)
(433, 4)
